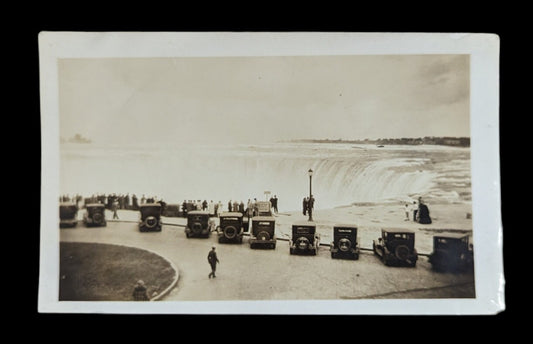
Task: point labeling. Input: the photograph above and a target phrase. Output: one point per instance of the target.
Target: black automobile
(305, 239)
(396, 247)
(263, 232)
(94, 215)
(264, 208)
(68, 214)
(345, 243)
(198, 224)
(231, 227)
(172, 210)
(150, 217)
(452, 252)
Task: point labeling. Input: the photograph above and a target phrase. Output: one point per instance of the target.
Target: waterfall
(342, 175)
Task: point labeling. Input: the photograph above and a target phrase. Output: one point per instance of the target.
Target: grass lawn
(102, 272)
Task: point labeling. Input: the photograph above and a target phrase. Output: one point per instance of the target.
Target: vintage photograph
(186, 178)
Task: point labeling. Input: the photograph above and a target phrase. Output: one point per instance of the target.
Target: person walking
(406, 212)
(212, 259)
(304, 205)
(114, 208)
(139, 292)
(229, 205)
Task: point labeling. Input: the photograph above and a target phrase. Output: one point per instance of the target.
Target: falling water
(343, 174)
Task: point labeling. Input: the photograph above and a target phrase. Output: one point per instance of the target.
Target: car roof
(304, 224)
(100, 205)
(198, 212)
(398, 230)
(149, 205)
(230, 214)
(344, 225)
(263, 218)
(67, 204)
(451, 235)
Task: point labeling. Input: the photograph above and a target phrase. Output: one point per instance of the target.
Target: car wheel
(401, 252)
(345, 244)
(263, 235)
(230, 232)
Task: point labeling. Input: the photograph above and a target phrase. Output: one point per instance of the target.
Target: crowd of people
(249, 209)
(118, 201)
(115, 202)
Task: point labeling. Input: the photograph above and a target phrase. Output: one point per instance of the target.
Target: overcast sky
(263, 99)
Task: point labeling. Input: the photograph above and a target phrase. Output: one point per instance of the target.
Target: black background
(22, 61)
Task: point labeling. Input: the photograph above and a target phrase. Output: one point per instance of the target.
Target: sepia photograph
(270, 173)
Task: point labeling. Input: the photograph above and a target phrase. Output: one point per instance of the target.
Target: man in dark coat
(304, 205)
(184, 208)
(212, 259)
(230, 205)
(135, 202)
(311, 205)
(275, 204)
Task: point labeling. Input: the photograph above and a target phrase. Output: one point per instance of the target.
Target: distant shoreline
(441, 141)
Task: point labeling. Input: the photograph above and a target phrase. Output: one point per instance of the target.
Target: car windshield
(303, 230)
(448, 243)
(197, 217)
(150, 211)
(400, 236)
(67, 210)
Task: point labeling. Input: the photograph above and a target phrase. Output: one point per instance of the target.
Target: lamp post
(310, 204)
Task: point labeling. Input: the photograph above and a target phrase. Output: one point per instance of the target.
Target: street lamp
(310, 204)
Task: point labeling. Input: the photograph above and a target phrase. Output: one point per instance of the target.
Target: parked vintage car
(263, 232)
(452, 252)
(94, 215)
(396, 247)
(231, 227)
(150, 217)
(264, 208)
(305, 239)
(172, 210)
(198, 224)
(68, 214)
(345, 243)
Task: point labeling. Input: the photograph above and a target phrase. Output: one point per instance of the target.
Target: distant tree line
(427, 140)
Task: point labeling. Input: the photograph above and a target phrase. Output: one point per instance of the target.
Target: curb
(172, 265)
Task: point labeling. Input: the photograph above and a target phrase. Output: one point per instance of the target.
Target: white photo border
(483, 50)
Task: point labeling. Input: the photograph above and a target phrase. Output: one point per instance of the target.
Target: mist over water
(343, 173)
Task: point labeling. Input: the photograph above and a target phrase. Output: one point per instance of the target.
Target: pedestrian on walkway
(212, 259)
(114, 208)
